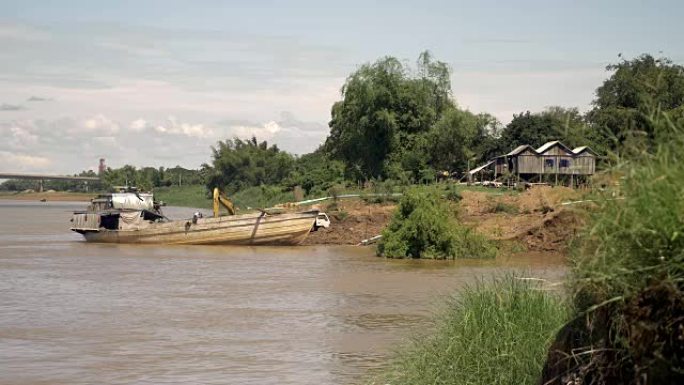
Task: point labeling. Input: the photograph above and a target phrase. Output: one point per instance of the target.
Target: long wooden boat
(126, 219)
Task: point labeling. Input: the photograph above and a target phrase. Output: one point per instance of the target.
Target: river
(79, 313)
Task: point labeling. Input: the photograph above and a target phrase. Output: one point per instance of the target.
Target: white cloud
(263, 132)
(100, 123)
(22, 138)
(174, 126)
(138, 125)
(23, 163)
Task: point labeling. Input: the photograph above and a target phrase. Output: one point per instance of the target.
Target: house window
(548, 162)
(565, 163)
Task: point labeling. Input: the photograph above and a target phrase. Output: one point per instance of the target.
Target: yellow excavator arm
(222, 200)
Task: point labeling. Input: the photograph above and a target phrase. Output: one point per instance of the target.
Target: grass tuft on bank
(493, 332)
(627, 279)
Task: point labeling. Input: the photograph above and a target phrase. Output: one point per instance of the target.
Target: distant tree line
(402, 124)
(395, 122)
(146, 178)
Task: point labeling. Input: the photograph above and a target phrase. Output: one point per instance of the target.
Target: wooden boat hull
(248, 229)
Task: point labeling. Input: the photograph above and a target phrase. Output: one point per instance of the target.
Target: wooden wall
(555, 160)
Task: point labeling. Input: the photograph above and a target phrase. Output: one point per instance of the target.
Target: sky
(157, 83)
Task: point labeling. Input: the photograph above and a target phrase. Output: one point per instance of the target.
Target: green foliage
(184, 196)
(639, 236)
(380, 127)
(424, 226)
(260, 197)
(453, 193)
(490, 333)
(147, 178)
(57, 185)
(623, 102)
(380, 192)
(554, 123)
(238, 164)
(316, 173)
(627, 278)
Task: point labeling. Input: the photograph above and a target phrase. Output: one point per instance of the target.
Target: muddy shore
(534, 219)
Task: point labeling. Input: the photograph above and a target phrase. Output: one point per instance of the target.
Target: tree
(315, 173)
(452, 139)
(528, 128)
(383, 112)
(635, 91)
(237, 164)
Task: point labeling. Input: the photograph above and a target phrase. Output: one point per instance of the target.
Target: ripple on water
(78, 313)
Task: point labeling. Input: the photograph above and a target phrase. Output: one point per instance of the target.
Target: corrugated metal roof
(476, 170)
(520, 149)
(581, 149)
(547, 145)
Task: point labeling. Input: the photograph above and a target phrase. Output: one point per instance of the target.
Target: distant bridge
(42, 177)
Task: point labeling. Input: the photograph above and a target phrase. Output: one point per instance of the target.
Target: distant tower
(101, 169)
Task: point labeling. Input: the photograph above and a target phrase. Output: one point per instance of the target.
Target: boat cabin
(127, 210)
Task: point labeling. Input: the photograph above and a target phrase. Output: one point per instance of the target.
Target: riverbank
(531, 220)
(59, 196)
(496, 331)
(534, 219)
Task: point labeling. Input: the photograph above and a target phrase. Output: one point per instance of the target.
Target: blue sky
(158, 82)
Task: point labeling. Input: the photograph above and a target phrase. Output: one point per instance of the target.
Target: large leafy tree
(634, 92)
(385, 108)
(238, 163)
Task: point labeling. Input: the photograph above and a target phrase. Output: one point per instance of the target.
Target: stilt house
(552, 158)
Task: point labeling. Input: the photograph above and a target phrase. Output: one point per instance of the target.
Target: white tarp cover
(130, 201)
(132, 220)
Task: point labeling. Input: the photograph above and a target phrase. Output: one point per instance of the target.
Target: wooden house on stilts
(553, 162)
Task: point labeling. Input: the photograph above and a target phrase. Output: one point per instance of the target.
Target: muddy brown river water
(79, 313)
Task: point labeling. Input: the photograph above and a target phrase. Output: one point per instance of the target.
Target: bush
(494, 333)
(424, 226)
(453, 194)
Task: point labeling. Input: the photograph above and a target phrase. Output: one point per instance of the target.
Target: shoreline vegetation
(621, 320)
(494, 332)
(397, 128)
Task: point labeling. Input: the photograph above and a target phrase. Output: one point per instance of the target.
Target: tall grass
(638, 233)
(491, 333)
(627, 279)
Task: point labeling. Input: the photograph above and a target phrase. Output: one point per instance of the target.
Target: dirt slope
(535, 218)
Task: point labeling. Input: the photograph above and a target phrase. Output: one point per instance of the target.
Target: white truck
(322, 220)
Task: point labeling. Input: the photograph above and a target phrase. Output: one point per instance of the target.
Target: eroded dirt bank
(534, 218)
